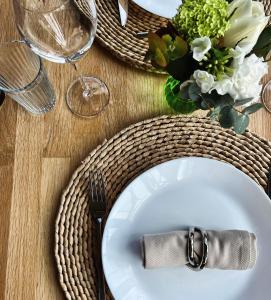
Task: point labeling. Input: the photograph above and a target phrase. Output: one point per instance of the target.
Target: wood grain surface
(39, 154)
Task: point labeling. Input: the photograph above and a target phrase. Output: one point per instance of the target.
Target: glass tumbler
(266, 96)
(63, 31)
(24, 79)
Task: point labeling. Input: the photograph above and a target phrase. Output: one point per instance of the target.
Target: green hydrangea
(197, 18)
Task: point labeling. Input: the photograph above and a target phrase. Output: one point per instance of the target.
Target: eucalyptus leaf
(214, 114)
(252, 108)
(225, 100)
(227, 117)
(216, 100)
(204, 105)
(194, 91)
(241, 123)
(242, 101)
(209, 99)
(184, 91)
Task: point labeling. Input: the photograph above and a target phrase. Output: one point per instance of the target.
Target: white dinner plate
(175, 195)
(166, 9)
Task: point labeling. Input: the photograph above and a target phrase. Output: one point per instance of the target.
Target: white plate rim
(225, 164)
(154, 10)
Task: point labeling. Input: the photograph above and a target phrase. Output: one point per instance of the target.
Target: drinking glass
(24, 79)
(266, 96)
(63, 31)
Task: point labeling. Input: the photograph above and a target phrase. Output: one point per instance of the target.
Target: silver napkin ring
(192, 264)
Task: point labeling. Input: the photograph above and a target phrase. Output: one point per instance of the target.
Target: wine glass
(266, 96)
(63, 31)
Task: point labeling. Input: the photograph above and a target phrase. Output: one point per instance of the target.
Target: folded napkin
(228, 250)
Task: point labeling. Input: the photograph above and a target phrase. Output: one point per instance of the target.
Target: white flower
(204, 80)
(200, 47)
(238, 55)
(246, 24)
(223, 86)
(245, 81)
(246, 78)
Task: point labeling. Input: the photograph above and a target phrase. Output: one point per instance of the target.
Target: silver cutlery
(2, 97)
(142, 34)
(123, 11)
(97, 203)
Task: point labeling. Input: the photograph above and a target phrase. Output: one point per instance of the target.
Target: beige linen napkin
(228, 250)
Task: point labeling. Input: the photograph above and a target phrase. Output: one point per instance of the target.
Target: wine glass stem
(87, 92)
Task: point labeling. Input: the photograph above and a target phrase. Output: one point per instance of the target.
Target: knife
(123, 11)
(2, 97)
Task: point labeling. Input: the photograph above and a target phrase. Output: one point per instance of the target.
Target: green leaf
(159, 58)
(218, 53)
(182, 68)
(194, 91)
(184, 91)
(227, 117)
(242, 102)
(172, 92)
(225, 100)
(263, 45)
(252, 108)
(204, 105)
(214, 114)
(167, 39)
(157, 50)
(241, 123)
(209, 99)
(216, 100)
(156, 42)
(180, 48)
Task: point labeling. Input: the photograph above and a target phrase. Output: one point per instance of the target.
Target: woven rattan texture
(122, 42)
(128, 154)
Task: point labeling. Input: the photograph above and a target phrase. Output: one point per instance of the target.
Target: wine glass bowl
(59, 30)
(63, 31)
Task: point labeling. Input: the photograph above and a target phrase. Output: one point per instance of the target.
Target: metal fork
(97, 202)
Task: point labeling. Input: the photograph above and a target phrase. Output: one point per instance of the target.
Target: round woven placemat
(128, 154)
(122, 42)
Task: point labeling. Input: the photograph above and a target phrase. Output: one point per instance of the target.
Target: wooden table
(39, 154)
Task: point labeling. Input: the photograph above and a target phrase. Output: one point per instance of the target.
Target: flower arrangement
(215, 53)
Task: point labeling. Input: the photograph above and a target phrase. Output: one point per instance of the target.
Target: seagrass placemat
(127, 155)
(122, 42)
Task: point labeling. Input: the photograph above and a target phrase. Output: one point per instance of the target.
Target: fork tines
(97, 198)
